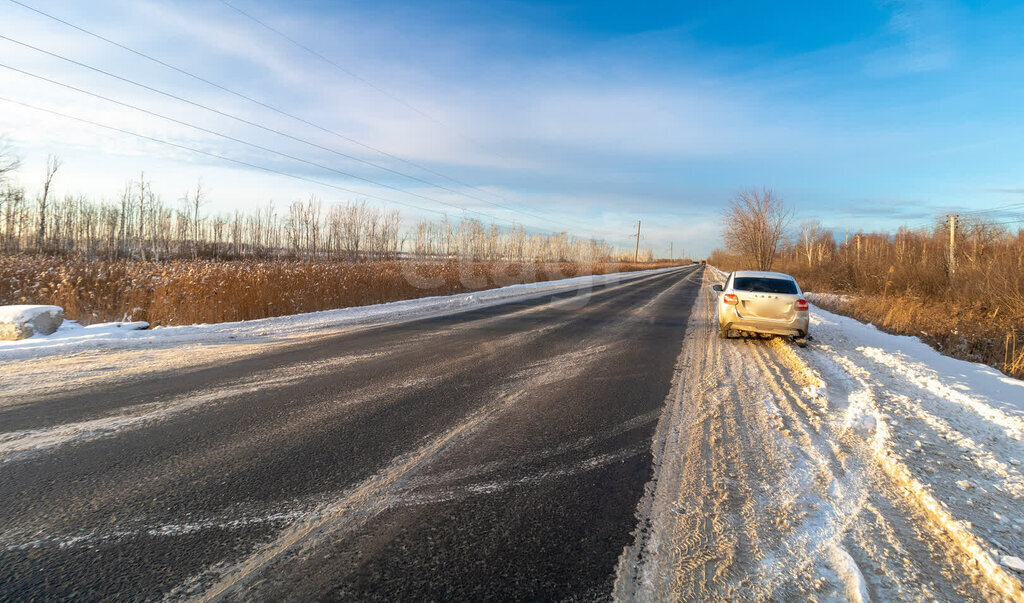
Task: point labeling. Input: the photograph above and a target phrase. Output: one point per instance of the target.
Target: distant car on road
(703, 262)
(762, 302)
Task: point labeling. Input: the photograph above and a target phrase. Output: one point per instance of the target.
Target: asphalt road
(498, 453)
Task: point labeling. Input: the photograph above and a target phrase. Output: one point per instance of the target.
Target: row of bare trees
(474, 240)
(989, 258)
(140, 225)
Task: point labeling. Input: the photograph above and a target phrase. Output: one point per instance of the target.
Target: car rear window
(759, 284)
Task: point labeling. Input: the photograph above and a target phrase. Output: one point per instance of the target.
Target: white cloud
(593, 133)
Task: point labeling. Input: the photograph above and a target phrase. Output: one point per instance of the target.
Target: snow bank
(975, 386)
(23, 321)
(73, 337)
(827, 298)
(949, 433)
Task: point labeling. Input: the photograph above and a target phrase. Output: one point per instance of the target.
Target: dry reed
(206, 291)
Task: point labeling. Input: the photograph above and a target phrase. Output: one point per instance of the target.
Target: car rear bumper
(797, 327)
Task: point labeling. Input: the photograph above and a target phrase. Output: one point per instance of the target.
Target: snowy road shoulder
(917, 363)
(950, 433)
(865, 466)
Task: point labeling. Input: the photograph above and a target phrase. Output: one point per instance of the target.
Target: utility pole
(952, 245)
(636, 252)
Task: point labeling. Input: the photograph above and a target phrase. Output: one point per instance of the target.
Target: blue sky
(583, 116)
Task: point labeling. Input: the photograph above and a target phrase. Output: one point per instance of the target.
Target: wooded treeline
(140, 225)
(986, 268)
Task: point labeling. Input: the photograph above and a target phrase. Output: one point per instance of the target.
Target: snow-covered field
(864, 466)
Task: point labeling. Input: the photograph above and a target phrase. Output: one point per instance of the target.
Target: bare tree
(142, 214)
(195, 202)
(139, 225)
(53, 164)
(9, 162)
(810, 232)
(755, 222)
(353, 225)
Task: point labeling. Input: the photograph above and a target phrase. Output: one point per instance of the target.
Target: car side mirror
(717, 287)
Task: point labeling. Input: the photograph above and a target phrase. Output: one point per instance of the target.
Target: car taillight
(801, 305)
(731, 299)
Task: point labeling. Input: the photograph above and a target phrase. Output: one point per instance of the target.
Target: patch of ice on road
(16, 445)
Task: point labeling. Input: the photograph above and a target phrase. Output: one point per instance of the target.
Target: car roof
(762, 274)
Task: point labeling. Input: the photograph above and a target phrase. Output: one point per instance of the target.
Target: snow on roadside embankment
(72, 337)
(948, 433)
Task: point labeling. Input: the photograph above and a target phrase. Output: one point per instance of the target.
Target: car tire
(723, 333)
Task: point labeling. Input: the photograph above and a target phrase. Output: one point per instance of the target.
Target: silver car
(762, 302)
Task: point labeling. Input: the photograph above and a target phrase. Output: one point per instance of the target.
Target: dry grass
(202, 291)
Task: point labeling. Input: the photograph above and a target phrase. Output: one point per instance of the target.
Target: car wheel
(723, 333)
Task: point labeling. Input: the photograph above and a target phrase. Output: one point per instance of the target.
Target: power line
(347, 72)
(218, 156)
(1011, 209)
(1004, 208)
(240, 141)
(244, 121)
(351, 74)
(1017, 221)
(279, 111)
(215, 155)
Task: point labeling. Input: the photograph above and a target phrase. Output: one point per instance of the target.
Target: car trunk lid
(770, 306)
